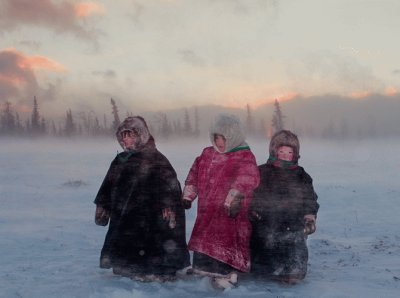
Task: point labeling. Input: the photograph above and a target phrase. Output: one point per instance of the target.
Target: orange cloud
(86, 9)
(61, 16)
(17, 73)
(43, 63)
(13, 81)
(31, 62)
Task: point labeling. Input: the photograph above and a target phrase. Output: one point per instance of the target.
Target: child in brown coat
(283, 212)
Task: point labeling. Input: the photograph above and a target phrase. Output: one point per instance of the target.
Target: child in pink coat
(223, 178)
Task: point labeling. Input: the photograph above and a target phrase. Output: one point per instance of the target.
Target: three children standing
(142, 196)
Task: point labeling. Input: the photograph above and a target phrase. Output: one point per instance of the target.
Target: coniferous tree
(28, 126)
(85, 118)
(187, 126)
(263, 128)
(277, 118)
(371, 127)
(19, 127)
(35, 119)
(177, 127)
(8, 124)
(53, 129)
(105, 124)
(164, 125)
(43, 128)
(344, 129)
(250, 126)
(329, 131)
(116, 121)
(196, 122)
(96, 128)
(70, 127)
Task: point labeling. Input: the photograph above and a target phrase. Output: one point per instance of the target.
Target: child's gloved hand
(254, 216)
(186, 204)
(102, 216)
(232, 202)
(169, 216)
(188, 195)
(309, 224)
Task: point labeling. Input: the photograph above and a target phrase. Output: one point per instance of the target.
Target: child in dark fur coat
(283, 213)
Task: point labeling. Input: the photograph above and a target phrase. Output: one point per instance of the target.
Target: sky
(152, 55)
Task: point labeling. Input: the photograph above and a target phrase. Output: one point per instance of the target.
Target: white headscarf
(231, 128)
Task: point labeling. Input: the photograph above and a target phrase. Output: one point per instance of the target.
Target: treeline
(306, 121)
(90, 124)
(37, 125)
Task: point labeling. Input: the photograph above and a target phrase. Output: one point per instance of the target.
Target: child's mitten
(186, 204)
(169, 216)
(309, 224)
(254, 216)
(188, 195)
(102, 216)
(232, 202)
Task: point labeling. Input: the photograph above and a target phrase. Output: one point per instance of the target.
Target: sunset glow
(152, 56)
(41, 62)
(12, 80)
(280, 97)
(391, 91)
(88, 8)
(360, 95)
(31, 62)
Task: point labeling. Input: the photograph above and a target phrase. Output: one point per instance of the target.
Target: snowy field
(50, 245)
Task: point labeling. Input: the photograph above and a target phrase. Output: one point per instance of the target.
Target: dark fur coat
(282, 199)
(137, 187)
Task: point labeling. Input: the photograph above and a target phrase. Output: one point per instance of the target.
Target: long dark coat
(137, 187)
(215, 234)
(282, 199)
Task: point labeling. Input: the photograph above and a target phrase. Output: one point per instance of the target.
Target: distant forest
(328, 117)
(89, 124)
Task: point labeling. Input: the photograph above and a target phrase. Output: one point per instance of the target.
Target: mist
(327, 117)
(52, 246)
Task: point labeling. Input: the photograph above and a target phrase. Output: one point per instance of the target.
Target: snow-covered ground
(49, 244)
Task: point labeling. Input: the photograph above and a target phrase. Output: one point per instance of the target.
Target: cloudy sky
(165, 54)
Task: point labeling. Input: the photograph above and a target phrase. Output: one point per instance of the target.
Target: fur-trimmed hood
(284, 138)
(137, 125)
(231, 128)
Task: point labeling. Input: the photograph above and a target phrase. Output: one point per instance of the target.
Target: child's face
(285, 153)
(220, 142)
(129, 139)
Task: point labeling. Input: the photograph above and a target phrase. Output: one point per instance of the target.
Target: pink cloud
(42, 63)
(17, 73)
(86, 9)
(60, 16)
